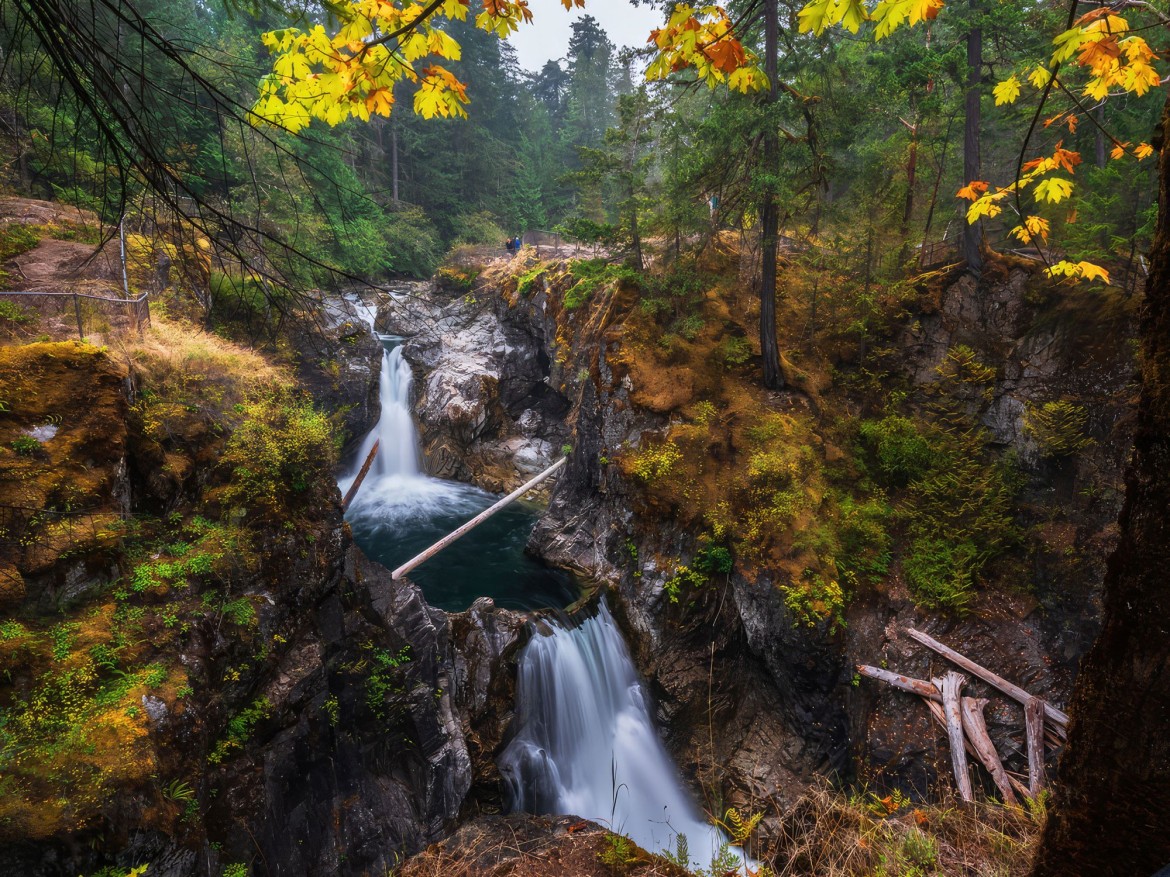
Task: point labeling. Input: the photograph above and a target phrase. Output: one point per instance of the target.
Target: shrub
(280, 449)
(690, 326)
(16, 239)
(941, 573)
(478, 228)
(734, 351)
(655, 462)
(901, 452)
(815, 599)
(13, 313)
(1058, 428)
(25, 445)
(864, 538)
(240, 728)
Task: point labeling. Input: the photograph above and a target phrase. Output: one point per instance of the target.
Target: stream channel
(584, 741)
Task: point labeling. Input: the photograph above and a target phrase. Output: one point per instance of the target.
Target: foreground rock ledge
(531, 846)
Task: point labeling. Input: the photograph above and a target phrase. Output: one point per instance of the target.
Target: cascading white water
(398, 452)
(586, 745)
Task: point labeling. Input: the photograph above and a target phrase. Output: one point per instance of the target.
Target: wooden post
(1057, 717)
(951, 687)
(77, 311)
(976, 729)
(1034, 731)
(477, 520)
(122, 249)
(357, 482)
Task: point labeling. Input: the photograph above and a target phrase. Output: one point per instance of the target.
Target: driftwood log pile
(962, 718)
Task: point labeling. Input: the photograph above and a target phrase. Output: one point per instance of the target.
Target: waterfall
(398, 453)
(586, 745)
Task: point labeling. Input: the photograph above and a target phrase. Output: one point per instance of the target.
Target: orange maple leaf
(1099, 54)
(972, 190)
(726, 54)
(1066, 158)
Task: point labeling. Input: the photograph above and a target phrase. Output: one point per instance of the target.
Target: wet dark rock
(338, 361)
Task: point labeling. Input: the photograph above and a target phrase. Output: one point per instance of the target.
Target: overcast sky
(548, 35)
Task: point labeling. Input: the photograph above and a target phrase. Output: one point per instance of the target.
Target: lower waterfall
(586, 745)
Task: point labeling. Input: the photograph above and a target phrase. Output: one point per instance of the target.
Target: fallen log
(1057, 717)
(976, 730)
(904, 683)
(951, 687)
(477, 520)
(361, 476)
(927, 691)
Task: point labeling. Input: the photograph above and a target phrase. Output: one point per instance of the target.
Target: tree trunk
(393, 159)
(911, 177)
(1099, 139)
(972, 234)
(770, 210)
(1112, 798)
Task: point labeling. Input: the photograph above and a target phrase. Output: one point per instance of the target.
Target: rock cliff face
(338, 360)
(260, 694)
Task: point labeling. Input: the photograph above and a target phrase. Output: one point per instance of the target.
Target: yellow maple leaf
(1089, 271)
(1007, 91)
(1053, 190)
(1067, 43)
(814, 16)
(1118, 150)
(1143, 150)
(1039, 77)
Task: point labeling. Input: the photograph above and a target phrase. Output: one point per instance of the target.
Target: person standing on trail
(508, 246)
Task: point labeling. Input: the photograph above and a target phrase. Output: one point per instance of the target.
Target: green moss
(526, 285)
(591, 275)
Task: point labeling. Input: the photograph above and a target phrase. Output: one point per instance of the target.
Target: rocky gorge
(754, 700)
(334, 706)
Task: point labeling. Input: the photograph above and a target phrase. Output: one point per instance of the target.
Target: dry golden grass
(171, 353)
(830, 834)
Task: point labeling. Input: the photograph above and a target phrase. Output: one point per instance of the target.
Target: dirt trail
(67, 266)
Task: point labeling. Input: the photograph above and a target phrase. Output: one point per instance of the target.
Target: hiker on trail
(508, 246)
(516, 244)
